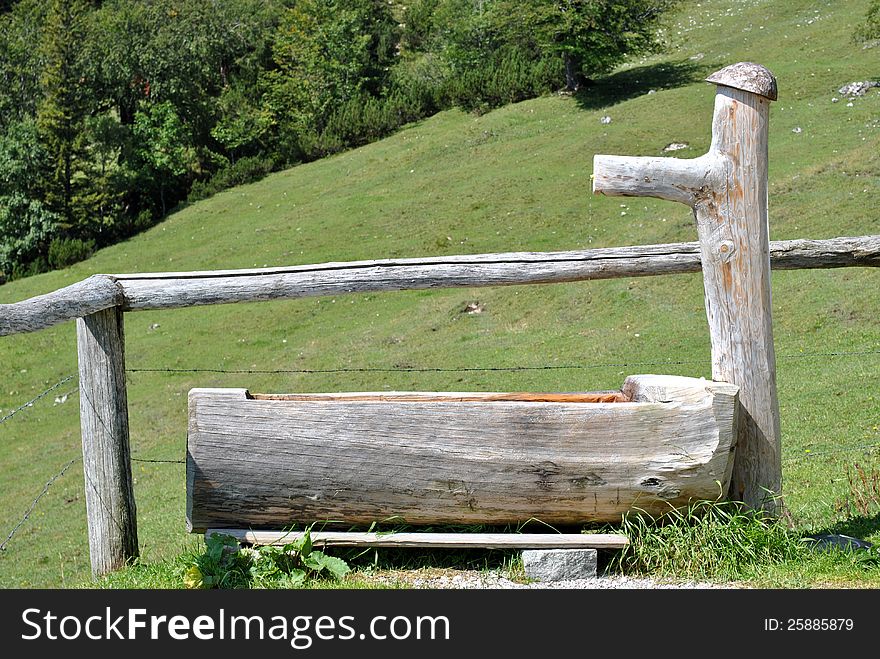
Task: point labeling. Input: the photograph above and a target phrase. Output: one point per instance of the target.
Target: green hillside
(514, 179)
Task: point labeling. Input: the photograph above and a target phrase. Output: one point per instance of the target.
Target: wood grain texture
(136, 292)
(110, 504)
(172, 290)
(432, 540)
(727, 189)
(272, 463)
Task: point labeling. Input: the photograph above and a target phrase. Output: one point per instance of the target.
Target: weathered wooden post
(727, 189)
(110, 505)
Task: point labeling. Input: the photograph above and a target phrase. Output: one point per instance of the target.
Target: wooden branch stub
(748, 77)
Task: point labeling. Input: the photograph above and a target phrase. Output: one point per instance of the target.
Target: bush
(364, 118)
(515, 76)
(244, 170)
(26, 228)
(871, 28)
(67, 251)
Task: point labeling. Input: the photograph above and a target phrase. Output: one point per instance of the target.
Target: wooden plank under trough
(432, 540)
(448, 458)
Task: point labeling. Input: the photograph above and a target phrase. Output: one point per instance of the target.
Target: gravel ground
(442, 579)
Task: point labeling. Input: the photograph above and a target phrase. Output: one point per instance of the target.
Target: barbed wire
(179, 462)
(404, 369)
(36, 501)
(419, 369)
(844, 353)
(810, 453)
(465, 369)
(38, 397)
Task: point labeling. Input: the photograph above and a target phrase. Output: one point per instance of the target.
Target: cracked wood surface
(268, 463)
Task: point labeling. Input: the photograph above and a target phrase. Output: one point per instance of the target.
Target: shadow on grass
(624, 85)
(859, 527)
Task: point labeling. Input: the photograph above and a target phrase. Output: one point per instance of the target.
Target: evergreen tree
(63, 110)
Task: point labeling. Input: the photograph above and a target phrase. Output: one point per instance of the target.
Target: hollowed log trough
(271, 461)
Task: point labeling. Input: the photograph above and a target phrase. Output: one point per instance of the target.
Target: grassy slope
(515, 179)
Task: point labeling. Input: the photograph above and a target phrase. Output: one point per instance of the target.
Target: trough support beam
(110, 505)
(727, 189)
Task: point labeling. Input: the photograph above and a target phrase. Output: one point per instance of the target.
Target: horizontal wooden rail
(135, 292)
(432, 540)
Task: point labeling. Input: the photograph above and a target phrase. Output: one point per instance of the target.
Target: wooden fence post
(727, 189)
(110, 505)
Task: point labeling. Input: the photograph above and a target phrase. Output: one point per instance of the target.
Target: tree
(591, 36)
(202, 57)
(20, 62)
(26, 225)
(326, 52)
(163, 147)
(242, 127)
(465, 34)
(63, 110)
(26, 229)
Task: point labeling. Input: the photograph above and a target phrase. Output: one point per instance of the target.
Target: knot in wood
(726, 249)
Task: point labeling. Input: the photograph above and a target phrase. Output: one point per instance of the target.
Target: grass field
(514, 179)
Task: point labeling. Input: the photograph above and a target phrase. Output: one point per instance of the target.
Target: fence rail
(136, 292)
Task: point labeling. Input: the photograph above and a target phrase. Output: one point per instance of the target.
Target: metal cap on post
(727, 189)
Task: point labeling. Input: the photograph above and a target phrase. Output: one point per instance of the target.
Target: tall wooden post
(110, 505)
(727, 189)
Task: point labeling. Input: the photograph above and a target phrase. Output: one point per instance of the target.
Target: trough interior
(433, 397)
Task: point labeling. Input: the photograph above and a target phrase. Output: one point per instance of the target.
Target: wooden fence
(727, 189)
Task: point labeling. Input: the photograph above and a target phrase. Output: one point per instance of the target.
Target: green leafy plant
(225, 565)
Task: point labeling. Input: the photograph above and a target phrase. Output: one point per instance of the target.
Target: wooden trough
(270, 461)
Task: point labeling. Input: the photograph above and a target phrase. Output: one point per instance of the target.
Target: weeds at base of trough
(707, 540)
(224, 564)
(724, 541)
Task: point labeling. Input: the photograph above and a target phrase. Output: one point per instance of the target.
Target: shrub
(515, 76)
(870, 30)
(67, 251)
(244, 170)
(364, 118)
